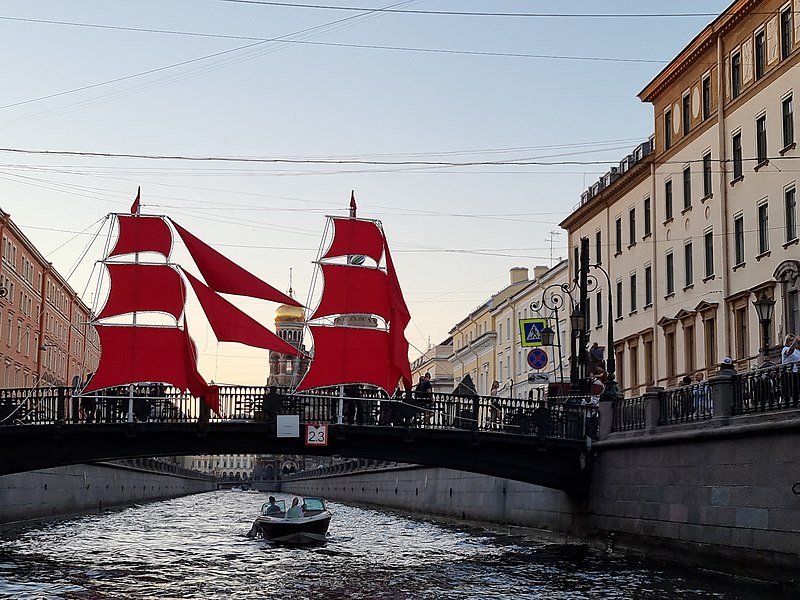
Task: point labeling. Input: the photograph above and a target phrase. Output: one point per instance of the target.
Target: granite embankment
(89, 487)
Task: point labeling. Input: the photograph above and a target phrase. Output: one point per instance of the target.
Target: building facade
(45, 335)
(487, 344)
(700, 221)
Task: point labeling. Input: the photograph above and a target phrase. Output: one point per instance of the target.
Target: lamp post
(610, 389)
(577, 321)
(553, 300)
(764, 309)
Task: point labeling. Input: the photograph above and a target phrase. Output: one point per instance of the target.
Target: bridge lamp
(764, 309)
(577, 320)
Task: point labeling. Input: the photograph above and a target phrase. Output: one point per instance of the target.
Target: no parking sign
(537, 358)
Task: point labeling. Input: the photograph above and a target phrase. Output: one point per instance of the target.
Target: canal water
(196, 547)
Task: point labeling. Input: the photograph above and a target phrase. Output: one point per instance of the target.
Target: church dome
(286, 313)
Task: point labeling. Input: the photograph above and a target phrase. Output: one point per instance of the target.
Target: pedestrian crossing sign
(531, 331)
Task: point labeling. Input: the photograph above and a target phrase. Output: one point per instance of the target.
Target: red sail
(398, 320)
(136, 354)
(225, 276)
(194, 381)
(355, 237)
(351, 289)
(138, 287)
(232, 325)
(350, 355)
(142, 234)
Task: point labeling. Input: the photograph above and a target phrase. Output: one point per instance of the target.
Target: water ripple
(196, 548)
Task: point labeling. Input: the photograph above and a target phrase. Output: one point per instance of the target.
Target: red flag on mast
(135, 205)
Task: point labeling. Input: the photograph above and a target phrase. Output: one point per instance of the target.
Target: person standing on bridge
(423, 396)
(790, 359)
(494, 405)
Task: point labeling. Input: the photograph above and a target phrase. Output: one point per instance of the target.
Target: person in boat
(295, 511)
(272, 508)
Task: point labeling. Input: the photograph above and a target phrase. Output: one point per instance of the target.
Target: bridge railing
(567, 418)
(763, 390)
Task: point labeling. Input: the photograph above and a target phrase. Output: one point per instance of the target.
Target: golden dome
(286, 313)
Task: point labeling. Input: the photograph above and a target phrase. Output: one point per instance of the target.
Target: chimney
(539, 271)
(519, 274)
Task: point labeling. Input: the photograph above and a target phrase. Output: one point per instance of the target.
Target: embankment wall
(88, 487)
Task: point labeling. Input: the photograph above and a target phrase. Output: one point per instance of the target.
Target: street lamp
(547, 335)
(610, 391)
(764, 309)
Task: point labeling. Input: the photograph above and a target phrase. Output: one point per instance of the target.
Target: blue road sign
(531, 331)
(537, 358)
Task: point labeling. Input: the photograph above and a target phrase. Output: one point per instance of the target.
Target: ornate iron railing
(565, 418)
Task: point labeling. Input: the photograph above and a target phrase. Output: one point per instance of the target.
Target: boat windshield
(314, 504)
(268, 508)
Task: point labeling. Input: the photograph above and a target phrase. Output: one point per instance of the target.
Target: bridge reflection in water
(531, 440)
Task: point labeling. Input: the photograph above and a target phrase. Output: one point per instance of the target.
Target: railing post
(476, 403)
(61, 405)
(606, 415)
(652, 408)
(722, 395)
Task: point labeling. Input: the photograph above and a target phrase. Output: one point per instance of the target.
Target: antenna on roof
(551, 236)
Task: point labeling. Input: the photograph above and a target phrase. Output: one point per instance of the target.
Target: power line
(479, 14)
(357, 161)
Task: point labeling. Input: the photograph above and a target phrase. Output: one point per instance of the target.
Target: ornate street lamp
(610, 391)
(547, 335)
(764, 309)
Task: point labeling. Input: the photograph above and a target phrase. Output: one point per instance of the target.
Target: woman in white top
(790, 353)
(790, 379)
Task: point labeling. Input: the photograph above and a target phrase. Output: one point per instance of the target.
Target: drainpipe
(723, 193)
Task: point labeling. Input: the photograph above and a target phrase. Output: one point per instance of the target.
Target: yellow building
(701, 220)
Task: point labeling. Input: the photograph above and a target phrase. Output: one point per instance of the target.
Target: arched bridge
(528, 440)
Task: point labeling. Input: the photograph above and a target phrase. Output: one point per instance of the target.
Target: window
(786, 33)
(667, 129)
(668, 199)
(763, 228)
(707, 175)
(647, 226)
(632, 225)
(760, 54)
(618, 229)
(761, 139)
(619, 299)
(670, 273)
(738, 239)
(599, 307)
(686, 115)
(633, 292)
(648, 285)
(741, 335)
(598, 241)
(710, 340)
(687, 188)
(706, 97)
(689, 348)
(708, 244)
(669, 344)
(737, 155)
(576, 261)
(790, 206)
(688, 270)
(736, 75)
(787, 112)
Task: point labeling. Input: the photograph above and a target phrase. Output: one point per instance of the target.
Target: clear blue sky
(462, 89)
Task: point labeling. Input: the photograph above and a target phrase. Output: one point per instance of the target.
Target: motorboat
(306, 523)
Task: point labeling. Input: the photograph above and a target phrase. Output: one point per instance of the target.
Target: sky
(417, 106)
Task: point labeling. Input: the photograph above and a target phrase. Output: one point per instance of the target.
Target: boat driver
(273, 508)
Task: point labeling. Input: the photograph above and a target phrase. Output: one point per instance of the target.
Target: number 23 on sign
(316, 435)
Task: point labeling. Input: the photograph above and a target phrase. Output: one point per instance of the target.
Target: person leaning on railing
(790, 355)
